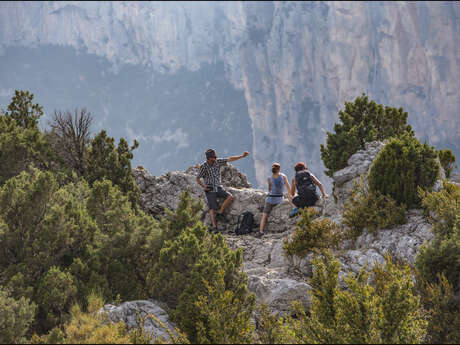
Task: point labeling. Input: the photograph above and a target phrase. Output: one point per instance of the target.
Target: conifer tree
(21, 142)
(361, 121)
(105, 161)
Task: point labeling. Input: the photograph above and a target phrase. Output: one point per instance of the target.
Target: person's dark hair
(276, 167)
(300, 166)
(210, 153)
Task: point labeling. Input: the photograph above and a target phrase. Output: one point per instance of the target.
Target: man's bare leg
(212, 216)
(225, 204)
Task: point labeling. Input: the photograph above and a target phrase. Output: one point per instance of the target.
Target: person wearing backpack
(210, 172)
(305, 183)
(276, 184)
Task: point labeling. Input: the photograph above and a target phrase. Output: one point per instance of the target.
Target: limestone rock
(128, 312)
(275, 279)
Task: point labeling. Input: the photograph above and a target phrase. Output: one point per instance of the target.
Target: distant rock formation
(296, 62)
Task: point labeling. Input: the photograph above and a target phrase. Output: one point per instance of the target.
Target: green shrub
(16, 315)
(442, 254)
(362, 121)
(312, 235)
(403, 165)
(55, 239)
(56, 293)
(447, 159)
(442, 208)
(110, 162)
(189, 258)
(444, 311)
(385, 312)
(371, 210)
(222, 316)
(92, 327)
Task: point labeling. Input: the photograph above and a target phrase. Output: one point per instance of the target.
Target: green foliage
(16, 315)
(444, 312)
(20, 147)
(22, 110)
(442, 255)
(223, 317)
(362, 121)
(105, 161)
(371, 210)
(387, 311)
(56, 293)
(447, 159)
(403, 165)
(188, 255)
(442, 208)
(61, 243)
(92, 327)
(312, 235)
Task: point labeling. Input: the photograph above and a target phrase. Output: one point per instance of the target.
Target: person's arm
(201, 183)
(293, 187)
(235, 158)
(316, 181)
(286, 182)
(269, 185)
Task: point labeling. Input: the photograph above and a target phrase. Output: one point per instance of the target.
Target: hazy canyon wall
(296, 62)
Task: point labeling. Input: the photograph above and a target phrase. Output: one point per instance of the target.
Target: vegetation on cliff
(73, 237)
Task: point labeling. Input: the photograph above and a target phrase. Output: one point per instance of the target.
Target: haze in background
(268, 77)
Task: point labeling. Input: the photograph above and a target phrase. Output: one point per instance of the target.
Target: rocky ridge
(274, 278)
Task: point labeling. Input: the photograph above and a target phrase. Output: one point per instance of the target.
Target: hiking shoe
(259, 234)
(293, 212)
(220, 216)
(212, 230)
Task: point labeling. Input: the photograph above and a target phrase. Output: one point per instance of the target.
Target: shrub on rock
(403, 165)
(361, 121)
(447, 160)
(387, 311)
(371, 210)
(312, 235)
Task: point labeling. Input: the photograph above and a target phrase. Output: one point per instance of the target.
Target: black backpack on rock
(246, 223)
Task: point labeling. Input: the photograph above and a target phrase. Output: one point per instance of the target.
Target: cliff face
(296, 62)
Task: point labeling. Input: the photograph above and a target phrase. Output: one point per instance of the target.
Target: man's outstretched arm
(235, 158)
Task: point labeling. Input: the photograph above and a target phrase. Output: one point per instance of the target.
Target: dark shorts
(212, 197)
(302, 201)
(269, 207)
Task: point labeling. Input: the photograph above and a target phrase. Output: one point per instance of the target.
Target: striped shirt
(211, 173)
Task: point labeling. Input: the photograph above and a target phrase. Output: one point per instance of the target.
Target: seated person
(305, 183)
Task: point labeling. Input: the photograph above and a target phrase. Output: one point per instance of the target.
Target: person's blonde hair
(276, 167)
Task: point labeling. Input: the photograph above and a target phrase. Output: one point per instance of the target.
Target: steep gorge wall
(297, 62)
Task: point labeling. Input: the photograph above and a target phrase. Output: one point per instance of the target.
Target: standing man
(210, 172)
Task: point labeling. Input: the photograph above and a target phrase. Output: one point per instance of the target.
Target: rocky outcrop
(296, 62)
(275, 279)
(150, 311)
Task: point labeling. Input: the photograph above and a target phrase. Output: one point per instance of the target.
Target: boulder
(128, 312)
